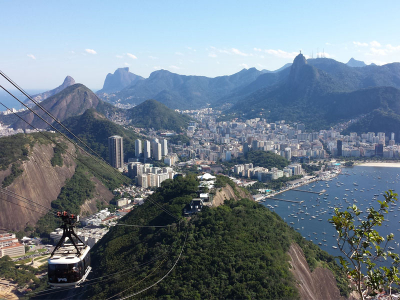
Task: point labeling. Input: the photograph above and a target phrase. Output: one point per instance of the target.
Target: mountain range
(322, 92)
(71, 101)
(68, 81)
(119, 80)
(181, 91)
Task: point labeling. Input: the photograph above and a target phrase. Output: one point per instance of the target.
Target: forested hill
(94, 129)
(236, 250)
(322, 93)
(71, 101)
(153, 114)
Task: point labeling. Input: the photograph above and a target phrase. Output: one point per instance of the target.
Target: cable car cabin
(67, 267)
(69, 264)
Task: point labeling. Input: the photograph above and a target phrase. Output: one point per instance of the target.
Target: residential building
(116, 151)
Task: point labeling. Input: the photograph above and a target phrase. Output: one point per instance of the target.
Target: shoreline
(308, 181)
(379, 164)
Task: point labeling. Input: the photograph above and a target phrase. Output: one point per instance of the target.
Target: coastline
(379, 164)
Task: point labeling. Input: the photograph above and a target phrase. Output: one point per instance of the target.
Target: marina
(315, 203)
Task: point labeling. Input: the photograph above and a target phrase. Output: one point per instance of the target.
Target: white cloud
(220, 50)
(131, 55)
(238, 52)
(72, 52)
(174, 67)
(153, 57)
(281, 53)
(118, 56)
(179, 53)
(126, 64)
(392, 48)
(257, 49)
(213, 55)
(244, 66)
(90, 51)
(31, 56)
(157, 68)
(328, 44)
(374, 44)
(378, 51)
(359, 44)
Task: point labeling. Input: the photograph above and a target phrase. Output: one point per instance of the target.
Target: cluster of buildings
(215, 141)
(156, 149)
(264, 174)
(364, 145)
(9, 245)
(148, 176)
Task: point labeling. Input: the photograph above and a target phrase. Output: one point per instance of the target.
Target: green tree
(363, 246)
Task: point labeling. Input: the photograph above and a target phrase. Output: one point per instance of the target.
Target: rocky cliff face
(227, 193)
(43, 96)
(40, 182)
(316, 285)
(118, 81)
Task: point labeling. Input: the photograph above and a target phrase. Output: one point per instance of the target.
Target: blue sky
(44, 41)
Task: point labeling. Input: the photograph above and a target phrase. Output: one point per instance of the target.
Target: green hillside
(318, 98)
(94, 129)
(235, 251)
(72, 101)
(259, 158)
(153, 114)
(377, 121)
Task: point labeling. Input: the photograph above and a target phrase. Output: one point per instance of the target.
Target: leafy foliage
(310, 169)
(13, 149)
(94, 129)
(153, 114)
(15, 172)
(362, 246)
(237, 250)
(259, 158)
(57, 159)
(22, 275)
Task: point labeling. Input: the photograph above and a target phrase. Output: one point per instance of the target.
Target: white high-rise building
(147, 149)
(138, 148)
(164, 147)
(157, 151)
(116, 151)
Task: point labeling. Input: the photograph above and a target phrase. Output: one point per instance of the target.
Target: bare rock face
(316, 285)
(43, 96)
(39, 182)
(227, 193)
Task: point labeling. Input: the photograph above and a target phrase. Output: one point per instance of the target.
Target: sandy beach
(380, 164)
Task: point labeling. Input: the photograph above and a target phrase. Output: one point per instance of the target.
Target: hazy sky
(43, 41)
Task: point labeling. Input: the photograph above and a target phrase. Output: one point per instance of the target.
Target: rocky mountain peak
(298, 63)
(355, 63)
(68, 81)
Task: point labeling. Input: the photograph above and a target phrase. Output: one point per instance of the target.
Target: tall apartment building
(147, 149)
(164, 147)
(138, 148)
(116, 151)
(157, 155)
(339, 146)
